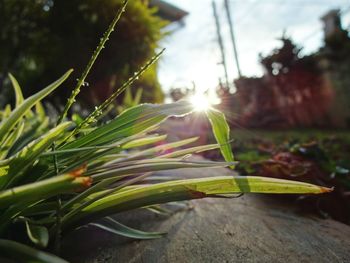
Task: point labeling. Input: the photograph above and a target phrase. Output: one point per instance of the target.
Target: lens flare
(201, 102)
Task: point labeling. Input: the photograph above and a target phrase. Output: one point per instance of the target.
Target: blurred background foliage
(40, 39)
(309, 155)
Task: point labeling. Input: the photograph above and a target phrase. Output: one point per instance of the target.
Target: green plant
(55, 179)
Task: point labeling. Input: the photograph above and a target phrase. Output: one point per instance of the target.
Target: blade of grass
(22, 253)
(39, 235)
(11, 139)
(152, 166)
(188, 189)
(17, 89)
(143, 141)
(221, 132)
(132, 121)
(155, 151)
(18, 93)
(24, 158)
(196, 149)
(93, 58)
(43, 189)
(99, 110)
(17, 114)
(115, 227)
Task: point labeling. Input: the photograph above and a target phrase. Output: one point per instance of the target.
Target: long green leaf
(24, 158)
(18, 93)
(188, 189)
(93, 193)
(93, 157)
(155, 151)
(31, 132)
(16, 115)
(115, 227)
(191, 150)
(17, 89)
(221, 132)
(154, 165)
(14, 211)
(131, 122)
(39, 235)
(14, 135)
(143, 141)
(11, 139)
(22, 253)
(43, 189)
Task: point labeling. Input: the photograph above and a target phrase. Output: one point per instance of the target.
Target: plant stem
(99, 110)
(58, 208)
(58, 232)
(93, 58)
(70, 102)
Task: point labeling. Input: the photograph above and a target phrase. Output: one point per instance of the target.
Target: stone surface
(252, 228)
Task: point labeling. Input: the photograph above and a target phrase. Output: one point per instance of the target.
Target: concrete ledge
(252, 228)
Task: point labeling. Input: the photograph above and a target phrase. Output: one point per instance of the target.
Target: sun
(203, 102)
(200, 102)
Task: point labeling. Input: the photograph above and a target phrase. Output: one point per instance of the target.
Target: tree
(40, 39)
(301, 97)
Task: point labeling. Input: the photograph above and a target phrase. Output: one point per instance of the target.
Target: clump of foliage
(55, 179)
(314, 156)
(39, 38)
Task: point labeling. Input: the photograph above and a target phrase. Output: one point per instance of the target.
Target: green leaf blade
(43, 189)
(221, 132)
(115, 227)
(17, 89)
(22, 253)
(16, 115)
(130, 122)
(189, 189)
(24, 158)
(39, 235)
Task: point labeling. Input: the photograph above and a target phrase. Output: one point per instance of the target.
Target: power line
(228, 13)
(221, 45)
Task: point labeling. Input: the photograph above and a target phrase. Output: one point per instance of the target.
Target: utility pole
(228, 13)
(223, 60)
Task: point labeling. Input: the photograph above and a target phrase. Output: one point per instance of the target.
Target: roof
(168, 11)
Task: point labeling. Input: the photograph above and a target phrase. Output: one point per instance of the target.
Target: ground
(252, 228)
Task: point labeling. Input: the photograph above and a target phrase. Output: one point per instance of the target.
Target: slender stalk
(99, 110)
(93, 58)
(58, 233)
(70, 102)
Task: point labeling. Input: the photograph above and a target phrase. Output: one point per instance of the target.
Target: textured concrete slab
(252, 228)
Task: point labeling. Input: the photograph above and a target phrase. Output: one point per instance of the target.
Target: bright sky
(192, 53)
